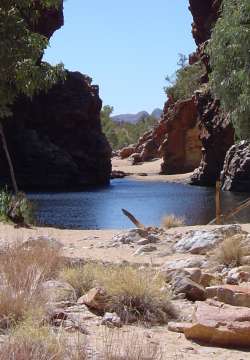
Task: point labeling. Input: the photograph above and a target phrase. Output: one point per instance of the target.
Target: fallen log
(131, 217)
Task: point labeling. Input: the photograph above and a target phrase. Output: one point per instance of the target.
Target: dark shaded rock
(217, 136)
(118, 174)
(58, 142)
(191, 289)
(236, 171)
(205, 15)
(49, 20)
(55, 140)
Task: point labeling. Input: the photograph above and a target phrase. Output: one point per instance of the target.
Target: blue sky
(127, 47)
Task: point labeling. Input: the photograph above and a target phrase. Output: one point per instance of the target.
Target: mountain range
(134, 118)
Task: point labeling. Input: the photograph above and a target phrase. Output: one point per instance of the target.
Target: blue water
(148, 201)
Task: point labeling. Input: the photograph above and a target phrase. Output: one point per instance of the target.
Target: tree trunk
(5, 147)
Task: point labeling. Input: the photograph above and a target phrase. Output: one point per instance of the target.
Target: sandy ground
(95, 244)
(151, 168)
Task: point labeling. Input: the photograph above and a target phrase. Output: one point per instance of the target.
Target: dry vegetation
(137, 295)
(231, 251)
(170, 221)
(118, 345)
(22, 270)
(134, 294)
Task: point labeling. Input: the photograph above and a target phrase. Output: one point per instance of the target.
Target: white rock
(200, 241)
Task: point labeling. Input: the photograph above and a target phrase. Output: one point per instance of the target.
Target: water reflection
(149, 201)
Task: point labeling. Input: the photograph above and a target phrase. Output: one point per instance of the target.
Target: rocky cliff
(55, 140)
(216, 132)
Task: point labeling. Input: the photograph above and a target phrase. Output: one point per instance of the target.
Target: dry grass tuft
(22, 270)
(29, 341)
(118, 345)
(231, 251)
(135, 295)
(170, 221)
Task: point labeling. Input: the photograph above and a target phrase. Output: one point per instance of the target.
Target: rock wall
(236, 172)
(181, 149)
(216, 132)
(55, 140)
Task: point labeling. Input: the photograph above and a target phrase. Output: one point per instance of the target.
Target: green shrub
(186, 81)
(15, 205)
(229, 50)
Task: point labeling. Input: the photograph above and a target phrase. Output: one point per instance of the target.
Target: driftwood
(241, 206)
(131, 217)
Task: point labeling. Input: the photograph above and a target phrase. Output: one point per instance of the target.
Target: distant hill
(135, 118)
(157, 113)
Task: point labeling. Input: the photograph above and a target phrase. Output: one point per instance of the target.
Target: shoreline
(148, 171)
(96, 245)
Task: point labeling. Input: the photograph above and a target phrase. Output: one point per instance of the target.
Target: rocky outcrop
(175, 138)
(55, 140)
(181, 149)
(217, 136)
(236, 170)
(205, 14)
(218, 324)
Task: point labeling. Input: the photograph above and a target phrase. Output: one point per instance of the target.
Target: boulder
(111, 320)
(125, 152)
(218, 324)
(229, 294)
(95, 298)
(178, 327)
(191, 289)
(131, 236)
(200, 241)
(238, 275)
(56, 291)
(236, 171)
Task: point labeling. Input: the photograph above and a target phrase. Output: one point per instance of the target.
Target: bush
(170, 221)
(16, 206)
(231, 251)
(22, 270)
(187, 80)
(229, 50)
(133, 294)
(30, 341)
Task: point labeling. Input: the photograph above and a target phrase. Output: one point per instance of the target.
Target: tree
(21, 72)
(229, 50)
(185, 81)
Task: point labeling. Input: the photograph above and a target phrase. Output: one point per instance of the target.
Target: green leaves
(186, 80)
(20, 51)
(229, 50)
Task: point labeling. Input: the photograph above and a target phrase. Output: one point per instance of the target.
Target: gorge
(58, 141)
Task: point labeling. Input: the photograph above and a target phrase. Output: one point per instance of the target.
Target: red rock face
(57, 142)
(181, 149)
(205, 14)
(216, 132)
